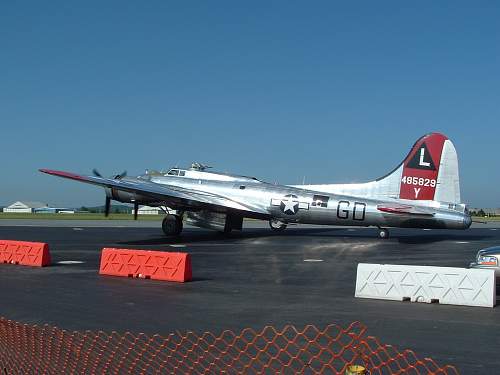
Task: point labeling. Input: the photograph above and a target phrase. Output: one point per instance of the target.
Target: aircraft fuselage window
(320, 201)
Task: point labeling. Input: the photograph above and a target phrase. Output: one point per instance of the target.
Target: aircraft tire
(277, 226)
(383, 234)
(172, 225)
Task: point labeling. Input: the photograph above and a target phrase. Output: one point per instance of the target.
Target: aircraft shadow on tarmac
(202, 236)
(332, 233)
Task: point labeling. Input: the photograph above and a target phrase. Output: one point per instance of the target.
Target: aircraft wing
(405, 209)
(167, 193)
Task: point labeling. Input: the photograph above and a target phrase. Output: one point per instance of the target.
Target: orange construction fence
(24, 253)
(147, 264)
(27, 349)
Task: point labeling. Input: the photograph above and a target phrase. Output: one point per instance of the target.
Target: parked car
(488, 258)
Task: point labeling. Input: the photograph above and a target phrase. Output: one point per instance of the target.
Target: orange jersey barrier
(156, 265)
(25, 253)
(331, 349)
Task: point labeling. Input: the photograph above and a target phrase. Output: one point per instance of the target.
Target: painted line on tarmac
(70, 262)
(426, 229)
(178, 245)
(313, 260)
(77, 228)
(462, 241)
(65, 226)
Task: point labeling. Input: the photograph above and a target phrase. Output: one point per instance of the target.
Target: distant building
(53, 210)
(36, 208)
(147, 210)
(25, 207)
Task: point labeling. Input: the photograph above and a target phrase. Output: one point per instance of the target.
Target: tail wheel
(172, 225)
(277, 225)
(383, 233)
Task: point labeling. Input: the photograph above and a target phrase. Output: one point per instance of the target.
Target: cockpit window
(176, 172)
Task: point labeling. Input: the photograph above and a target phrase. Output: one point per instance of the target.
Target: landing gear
(226, 231)
(276, 225)
(383, 233)
(172, 225)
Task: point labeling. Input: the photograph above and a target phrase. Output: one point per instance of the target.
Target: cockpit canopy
(176, 172)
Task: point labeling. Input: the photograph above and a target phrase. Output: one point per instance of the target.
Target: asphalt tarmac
(305, 275)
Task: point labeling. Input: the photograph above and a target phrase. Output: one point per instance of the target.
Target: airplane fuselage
(295, 205)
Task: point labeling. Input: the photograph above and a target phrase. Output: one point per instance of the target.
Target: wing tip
(61, 174)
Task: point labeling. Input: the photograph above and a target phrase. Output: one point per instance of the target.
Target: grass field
(79, 216)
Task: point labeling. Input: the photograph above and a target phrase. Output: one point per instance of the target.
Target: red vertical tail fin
(421, 168)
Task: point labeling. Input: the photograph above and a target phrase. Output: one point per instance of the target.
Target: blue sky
(334, 91)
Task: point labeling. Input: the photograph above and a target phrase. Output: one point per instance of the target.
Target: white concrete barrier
(446, 285)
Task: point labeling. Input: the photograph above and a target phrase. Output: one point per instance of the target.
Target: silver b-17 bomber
(422, 192)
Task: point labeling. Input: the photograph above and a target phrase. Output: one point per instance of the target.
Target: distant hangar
(23, 207)
(147, 210)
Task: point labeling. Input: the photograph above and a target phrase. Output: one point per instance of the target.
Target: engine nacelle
(128, 197)
(213, 220)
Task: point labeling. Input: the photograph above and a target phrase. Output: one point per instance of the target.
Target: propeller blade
(121, 175)
(96, 173)
(107, 206)
(136, 208)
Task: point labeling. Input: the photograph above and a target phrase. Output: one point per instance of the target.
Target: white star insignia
(290, 204)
